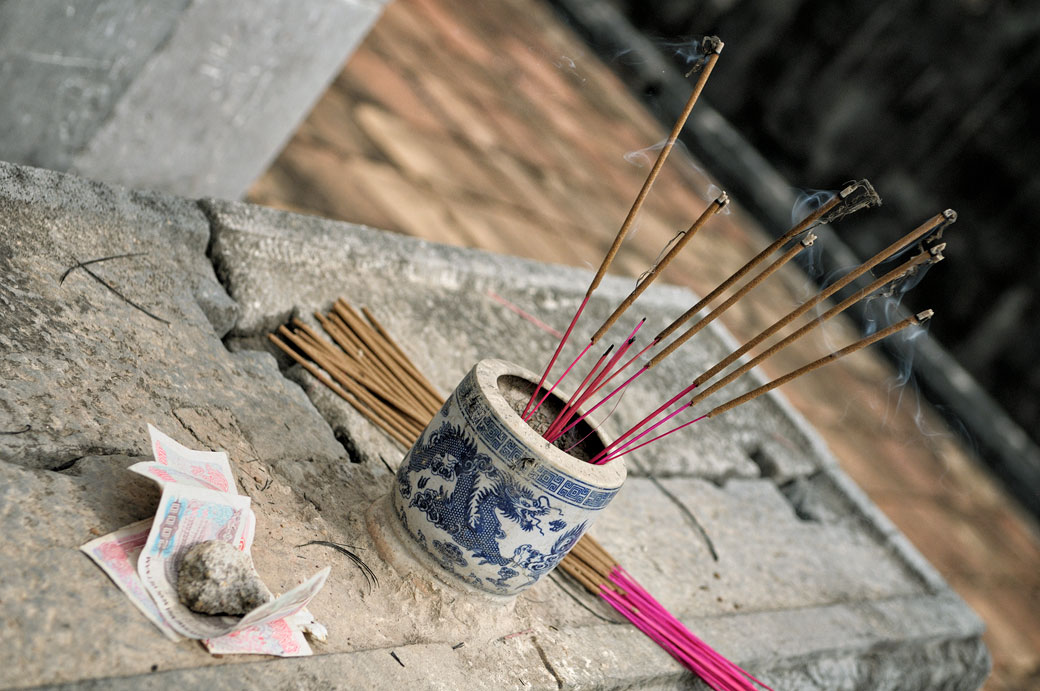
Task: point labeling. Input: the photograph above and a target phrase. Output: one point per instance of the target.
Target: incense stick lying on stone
(364, 367)
(600, 574)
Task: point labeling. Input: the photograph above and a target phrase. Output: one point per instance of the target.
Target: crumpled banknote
(199, 502)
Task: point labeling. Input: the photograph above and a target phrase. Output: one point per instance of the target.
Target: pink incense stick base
(487, 504)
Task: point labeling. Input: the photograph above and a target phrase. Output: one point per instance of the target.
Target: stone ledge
(90, 371)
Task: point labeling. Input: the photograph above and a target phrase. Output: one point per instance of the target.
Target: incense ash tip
(924, 316)
(950, 215)
(856, 195)
(712, 44)
(808, 240)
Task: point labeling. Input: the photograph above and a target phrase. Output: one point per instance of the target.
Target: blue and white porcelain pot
(489, 501)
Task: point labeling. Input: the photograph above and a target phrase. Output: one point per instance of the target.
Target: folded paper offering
(199, 504)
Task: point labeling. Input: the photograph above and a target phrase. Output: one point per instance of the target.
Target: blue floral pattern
(487, 520)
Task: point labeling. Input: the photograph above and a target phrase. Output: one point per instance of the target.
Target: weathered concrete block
(189, 96)
(87, 370)
(831, 597)
(808, 586)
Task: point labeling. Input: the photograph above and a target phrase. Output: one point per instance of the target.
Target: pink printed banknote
(199, 503)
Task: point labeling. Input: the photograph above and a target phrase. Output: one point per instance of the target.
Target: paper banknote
(187, 516)
(275, 638)
(199, 503)
(175, 463)
(116, 553)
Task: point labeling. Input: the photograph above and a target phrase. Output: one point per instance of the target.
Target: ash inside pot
(517, 392)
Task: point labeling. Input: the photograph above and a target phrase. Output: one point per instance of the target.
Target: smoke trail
(567, 64)
(642, 158)
(705, 189)
(808, 201)
(689, 50)
(711, 193)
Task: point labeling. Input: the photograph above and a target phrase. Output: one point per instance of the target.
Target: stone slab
(103, 87)
(799, 545)
(84, 368)
(808, 590)
(84, 372)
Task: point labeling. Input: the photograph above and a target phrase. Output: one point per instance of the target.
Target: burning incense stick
(913, 320)
(899, 273)
(644, 282)
(855, 196)
(712, 48)
(732, 300)
(933, 228)
(617, 450)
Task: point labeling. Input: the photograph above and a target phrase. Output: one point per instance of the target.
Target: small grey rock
(216, 578)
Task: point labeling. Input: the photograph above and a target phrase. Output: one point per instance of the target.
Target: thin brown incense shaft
(930, 256)
(378, 407)
(349, 398)
(581, 573)
(399, 355)
(817, 216)
(713, 46)
(380, 358)
(713, 208)
(377, 369)
(918, 318)
(933, 256)
(732, 300)
(372, 379)
(934, 225)
(597, 560)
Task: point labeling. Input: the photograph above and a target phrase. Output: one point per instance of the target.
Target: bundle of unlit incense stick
(363, 365)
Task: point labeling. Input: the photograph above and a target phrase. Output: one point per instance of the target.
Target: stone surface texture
(835, 601)
(103, 87)
(217, 578)
(494, 126)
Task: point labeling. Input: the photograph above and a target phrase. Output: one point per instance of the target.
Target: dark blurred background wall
(934, 102)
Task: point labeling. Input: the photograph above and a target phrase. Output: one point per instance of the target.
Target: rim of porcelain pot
(608, 476)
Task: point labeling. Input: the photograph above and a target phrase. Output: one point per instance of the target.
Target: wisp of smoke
(566, 64)
(711, 193)
(641, 158)
(903, 381)
(689, 49)
(645, 157)
(807, 202)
